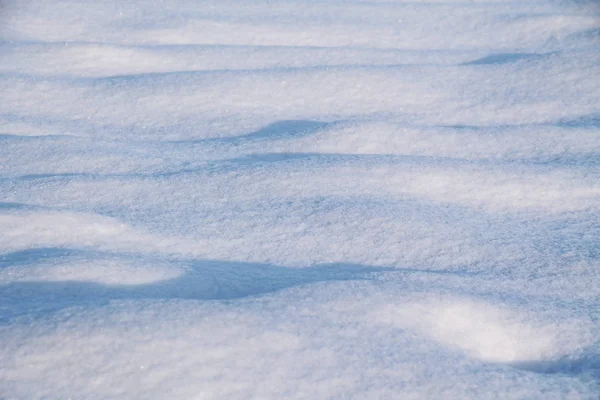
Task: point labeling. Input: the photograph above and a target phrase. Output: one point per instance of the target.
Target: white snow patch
(490, 332)
(48, 229)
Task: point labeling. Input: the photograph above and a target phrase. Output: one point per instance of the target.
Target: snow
(294, 199)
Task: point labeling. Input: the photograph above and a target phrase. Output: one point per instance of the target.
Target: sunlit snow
(298, 199)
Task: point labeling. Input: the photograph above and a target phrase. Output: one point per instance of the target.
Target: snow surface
(300, 199)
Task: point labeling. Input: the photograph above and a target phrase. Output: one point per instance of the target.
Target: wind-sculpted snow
(299, 200)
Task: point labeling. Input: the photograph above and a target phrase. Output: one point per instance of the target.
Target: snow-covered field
(300, 199)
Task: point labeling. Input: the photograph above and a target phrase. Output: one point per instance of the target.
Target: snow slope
(298, 199)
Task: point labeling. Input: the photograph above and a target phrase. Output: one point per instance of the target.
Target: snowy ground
(279, 199)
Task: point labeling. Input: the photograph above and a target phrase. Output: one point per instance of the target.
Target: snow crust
(294, 199)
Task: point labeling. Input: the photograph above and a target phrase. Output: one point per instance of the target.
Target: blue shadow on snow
(201, 280)
(503, 58)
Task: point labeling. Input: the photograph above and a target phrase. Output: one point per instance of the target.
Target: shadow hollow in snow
(584, 121)
(586, 368)
(12, 206)
(30, 256)
(503, 58)
(292, 128)
(283, 129)
(202, 280)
